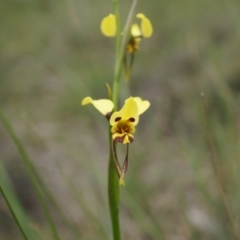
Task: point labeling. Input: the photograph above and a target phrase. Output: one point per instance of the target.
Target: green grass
(53, 55)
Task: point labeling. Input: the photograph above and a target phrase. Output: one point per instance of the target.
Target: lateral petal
(104, 106)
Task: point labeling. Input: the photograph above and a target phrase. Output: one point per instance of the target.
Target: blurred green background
(52, 55)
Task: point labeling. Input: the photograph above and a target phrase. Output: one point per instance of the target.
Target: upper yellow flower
(123, 122)
(108, 26)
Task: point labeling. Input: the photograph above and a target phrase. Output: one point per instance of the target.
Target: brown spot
(108, 115)
(131, 119)
(118, 130)
(118, 119)
(126, 128)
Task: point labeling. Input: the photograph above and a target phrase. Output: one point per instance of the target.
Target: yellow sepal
(108, 26)
(146, 25)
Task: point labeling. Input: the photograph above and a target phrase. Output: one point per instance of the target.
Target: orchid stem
(120, 48)
(113, 193)
(113, 181)
(113, 186)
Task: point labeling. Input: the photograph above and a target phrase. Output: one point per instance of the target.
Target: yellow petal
(128, 112)
(146, 26)
(143, 105)
(108, 26)
(135, 31)
(104, 106)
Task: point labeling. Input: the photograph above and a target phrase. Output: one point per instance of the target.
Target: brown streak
(125, 164)
(117, 165)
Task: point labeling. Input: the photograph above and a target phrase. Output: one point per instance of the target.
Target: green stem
(13, 213)
(113, 181)
(117, 68)
(118, 27)
(113, 193)
(113, 186)
(120, 47)
(30, 170)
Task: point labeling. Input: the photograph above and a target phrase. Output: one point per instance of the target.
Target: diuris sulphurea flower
(123, 123)
(109, 29)
(137, 32)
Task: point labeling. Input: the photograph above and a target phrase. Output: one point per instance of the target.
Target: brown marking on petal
(118, 119)
(133, 44)
(131, 119)
(108, 115)
(130, 139)
(117, 165)
(118, 129)
(125, 163)
(125, 129)
(121, 139)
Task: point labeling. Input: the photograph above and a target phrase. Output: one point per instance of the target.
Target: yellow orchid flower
(145, 30)
(137, 32)
(123, 124)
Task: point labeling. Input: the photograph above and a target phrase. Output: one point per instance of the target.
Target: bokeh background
(52, 55)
